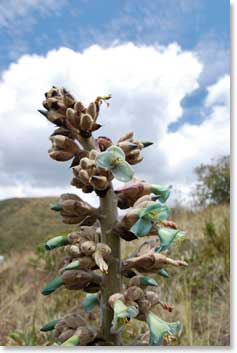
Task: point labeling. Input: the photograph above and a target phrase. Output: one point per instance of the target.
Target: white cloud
(13, 10)
(219, 93)
(195, 144)
(148, 84)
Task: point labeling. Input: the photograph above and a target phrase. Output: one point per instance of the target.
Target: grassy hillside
(26, 222)
(200, 292)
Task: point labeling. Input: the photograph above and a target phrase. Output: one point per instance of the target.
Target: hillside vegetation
(26, 222)
(200, 292)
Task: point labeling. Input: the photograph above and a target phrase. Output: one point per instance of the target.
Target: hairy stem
(112, 281)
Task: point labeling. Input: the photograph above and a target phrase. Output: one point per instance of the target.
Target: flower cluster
(88, 176)
(74, 210)
(89, 263)
(63, 110)
(136, 188)
(137, 302)
(71, 330)
(132, 147)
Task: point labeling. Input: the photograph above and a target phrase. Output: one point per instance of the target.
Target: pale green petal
(162, 191)
(168, 236)
(159, 328)
(122, 314)
(105, 160)
(117, 151)
(123, 172)
(142, 227)
(156, 212)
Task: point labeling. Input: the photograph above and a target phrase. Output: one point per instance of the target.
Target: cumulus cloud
(148, 84)
(195, 144)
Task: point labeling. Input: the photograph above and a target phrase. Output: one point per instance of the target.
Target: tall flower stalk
(93, 258)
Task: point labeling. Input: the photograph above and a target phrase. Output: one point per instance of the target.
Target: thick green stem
(108, 215)
(112, 281)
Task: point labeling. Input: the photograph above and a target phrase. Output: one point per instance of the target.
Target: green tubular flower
(168, 236)
(56, 242)
(74, 265)
(114, 160)
(122, 315)
(156, 212)
(90, 302)
(56, 207)
(163, 273)
(159, 328)
(162, 191)
(72, 341)
(49, 326)
(52, 286)
(148, 281)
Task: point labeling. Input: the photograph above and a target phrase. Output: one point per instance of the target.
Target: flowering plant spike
(118, 287)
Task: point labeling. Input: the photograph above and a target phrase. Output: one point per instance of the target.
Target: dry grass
(200, 292)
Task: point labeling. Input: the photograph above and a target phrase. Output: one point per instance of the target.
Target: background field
(200, 292)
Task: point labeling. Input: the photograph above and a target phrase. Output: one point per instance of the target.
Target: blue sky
(80, 23)
(199, 27)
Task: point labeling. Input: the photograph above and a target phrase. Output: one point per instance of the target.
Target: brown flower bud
(88, 248)
(153, 297)
(74, 250)
(60, 156)
(87, 163)
(84, 176)
(93, 154)
(127, 136)
(73, 321)
(78, 279)
(85, 334)
(150, 262)
(93, 110)
(131, 192)
(68, 100)
(86, 122)
(103, 143)
(63, 148)
(114, 297)
(101, 254)
(144, 306)
(99, 182)
(133, 293)
(77, 183)
(65, 335)
(79, 107)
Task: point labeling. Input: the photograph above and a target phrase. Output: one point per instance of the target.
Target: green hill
(200, 292)
(25, 222)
